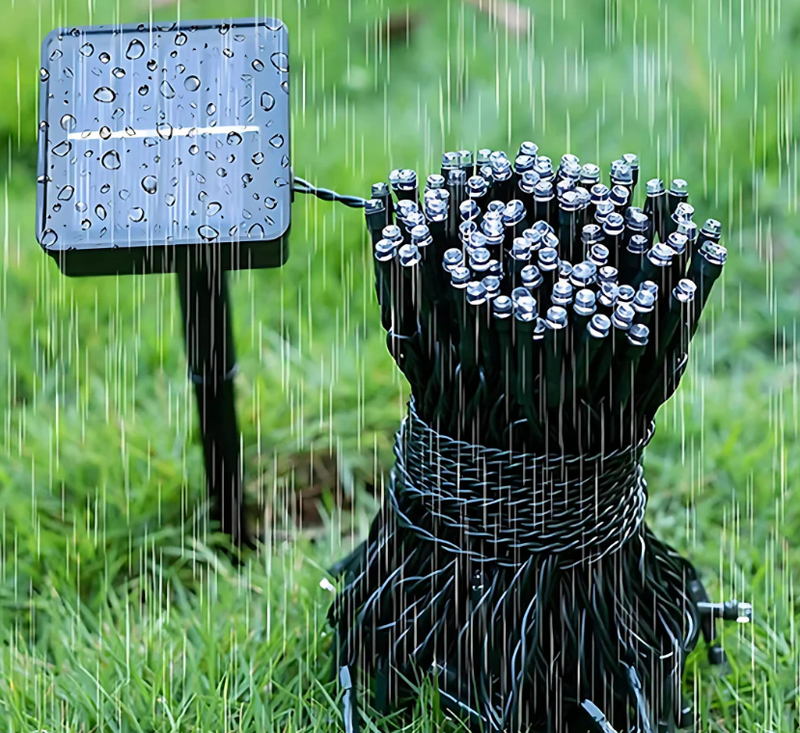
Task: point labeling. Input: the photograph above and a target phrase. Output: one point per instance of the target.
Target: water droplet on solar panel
(49, 238)
(164, 130)
(105, 94)
(87, 49)
(207, 232)
(285, 85)
(149, 184)
(69, 73)
(62, 148)
(221, 172)
(285, 161)
(180, 68)
(43, 179)
(180, 39)
(210, 155)
(246, 214)
(135, 49)
(149, 142)
(118, 72)
(136, 213)
(247, 178)
(80, 206)
(143, 89)
(167, 90)
(258, 64)
(238, 38)
(57, 54)
(56, 207)
(234, 138)
(194, 150)
(224, 28)
(124, 193)
(152, 64)
(105, 188)
(267, 101)
(191, 83)
(280, 181)
(258, 158)
(43, 125)
(104, 58)
(270, 203)
(200, 178)
(105, 132)
(100, 212)
(276, 140)
(211, 109)
(213, 208)
(280, 61)
(85, 224)
(44, 74)
(227, 52)
(68, 122)
(170, 199)
(111, 160)
(65, 194)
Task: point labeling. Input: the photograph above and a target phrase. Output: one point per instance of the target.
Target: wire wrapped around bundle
(510, 559)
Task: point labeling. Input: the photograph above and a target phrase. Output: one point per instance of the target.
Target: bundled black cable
(541, 320)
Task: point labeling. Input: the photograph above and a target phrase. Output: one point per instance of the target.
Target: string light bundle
(541, 320)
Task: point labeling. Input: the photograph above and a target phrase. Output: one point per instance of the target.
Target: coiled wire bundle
(510, 558)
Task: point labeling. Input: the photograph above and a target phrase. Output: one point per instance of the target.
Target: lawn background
(116, 610)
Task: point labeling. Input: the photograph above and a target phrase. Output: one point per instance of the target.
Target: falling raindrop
(87, 49)
(62, 148)
(65, 194)
(207, 232)
(136, 213)
(258, 158)
(49, 238)
(144, 89)
(170, 199)
(135, 49)
(104, 58)
(164, 130)
(234, 138)
(180, 39)
(221, 172)
(280, 61)
(68, 122)
(105, 94)
(267, 101)
(149, 184)
(119, 72)
(213, 208)
(191, 83)
(211, 109)
(256, 231)
(167, 90)
(258, 64)
(111, 160)
(105, 132)
(276, 140)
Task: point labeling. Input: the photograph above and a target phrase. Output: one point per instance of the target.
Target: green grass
(116, 610)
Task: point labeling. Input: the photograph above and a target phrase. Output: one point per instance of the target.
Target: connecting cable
(303, 186)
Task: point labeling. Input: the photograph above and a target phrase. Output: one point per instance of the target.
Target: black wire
(303, 186)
